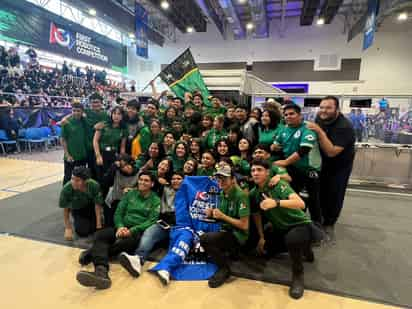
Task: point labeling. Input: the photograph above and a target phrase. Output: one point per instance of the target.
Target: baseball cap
(223, 170)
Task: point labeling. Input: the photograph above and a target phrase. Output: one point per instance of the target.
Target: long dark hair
(122, 123)
(169, 173)
(274, 119)
(186, 149)
(146, 154)
(218, 155)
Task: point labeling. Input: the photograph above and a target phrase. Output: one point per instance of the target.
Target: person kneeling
(233, 211)
(291, 228)
(82, 198)
(137, 210)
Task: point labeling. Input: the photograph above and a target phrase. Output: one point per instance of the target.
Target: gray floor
(371, 260)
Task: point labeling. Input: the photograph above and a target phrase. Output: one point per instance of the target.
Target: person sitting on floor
(233, 212)
(157, 232)
(138, 210)
(291, 227)
(82, 198)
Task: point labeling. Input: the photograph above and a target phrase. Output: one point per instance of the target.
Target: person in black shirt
(337, 140)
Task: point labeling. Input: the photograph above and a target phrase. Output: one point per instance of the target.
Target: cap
(223, 170)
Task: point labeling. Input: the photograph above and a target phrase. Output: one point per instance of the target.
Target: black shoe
(297, 287)
(98, 279)
(219, 277)
(309, 255)
(85, 258)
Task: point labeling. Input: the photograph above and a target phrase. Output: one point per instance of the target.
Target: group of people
(282, 179)
(27, 84)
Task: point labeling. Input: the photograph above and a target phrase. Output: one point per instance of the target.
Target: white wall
(385, 67)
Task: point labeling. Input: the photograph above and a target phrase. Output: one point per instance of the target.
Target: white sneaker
(131, 263)
(164, 276)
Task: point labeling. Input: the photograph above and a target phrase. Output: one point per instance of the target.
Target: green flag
(183, 75)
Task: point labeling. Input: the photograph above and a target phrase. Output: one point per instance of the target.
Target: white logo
(297, 134)
(310, 138)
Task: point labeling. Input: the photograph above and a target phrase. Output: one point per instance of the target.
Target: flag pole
(148, 84)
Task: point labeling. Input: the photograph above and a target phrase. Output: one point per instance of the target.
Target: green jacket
(137, 212)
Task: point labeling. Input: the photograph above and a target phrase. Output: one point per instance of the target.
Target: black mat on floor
(372, 259)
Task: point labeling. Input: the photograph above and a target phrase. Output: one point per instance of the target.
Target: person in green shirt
(215, 134)
(217, 109)
(150, 112)
(233, 212)
(207, 166)
(180, 155)
(138, 210)
(150, 134)
(82, 199)
(149, 160)
(262, 152)
(73, 140)
(303, 159)
(290, 227)
(269, 122)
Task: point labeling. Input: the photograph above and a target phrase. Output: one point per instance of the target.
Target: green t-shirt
(92, 118)
(146, 138)
(137, 212)
(281, 218)
(111, 137)
(74, 132)
(236, 205)
(74, 199)
(277, 170)
(212, 137)
(205, 172)
(291, 139)
(215, 111)
(267, 137)
(178, 163)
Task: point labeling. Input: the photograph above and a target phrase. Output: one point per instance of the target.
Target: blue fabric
(185, 260)
(3, 135)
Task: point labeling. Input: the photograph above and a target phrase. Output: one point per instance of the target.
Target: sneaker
(98, 279)
(164, 276)
(85, 257)
(131, 263)
(219, 277)
(297, 287)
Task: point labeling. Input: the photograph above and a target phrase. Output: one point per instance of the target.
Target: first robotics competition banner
(27, 24)
(185, 259)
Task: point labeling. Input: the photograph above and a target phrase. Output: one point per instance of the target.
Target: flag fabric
(183, 75)
(185, 259)
(142, 41)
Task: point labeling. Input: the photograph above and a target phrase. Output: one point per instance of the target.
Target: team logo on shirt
(310, 138)
(297, 134)
(242, 206)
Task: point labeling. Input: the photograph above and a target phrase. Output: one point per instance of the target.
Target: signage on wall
(142, 41)
(24, 23)
(370, 25)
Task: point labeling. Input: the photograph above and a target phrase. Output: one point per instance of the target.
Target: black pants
(218, 245)
(91, 163)
(109, 157)
(84, 221)
(296, 241)
(107, 245)
(310, 181)
(333, 185)
(109, 213)
(69, 167)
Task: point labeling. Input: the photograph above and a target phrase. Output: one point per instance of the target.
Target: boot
(219, 277)
(297, 287)
(98, 279)
(85, 258)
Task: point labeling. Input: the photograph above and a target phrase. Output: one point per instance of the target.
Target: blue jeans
(150, 238)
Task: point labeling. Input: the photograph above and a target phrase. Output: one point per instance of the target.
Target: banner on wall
(27, 24)
(34, 117)
(370, 25)
(142, 41)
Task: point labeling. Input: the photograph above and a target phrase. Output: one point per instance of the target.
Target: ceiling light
(241, 1)
(320, 21)
(250, 26)
(131, 35)
(164, 5)
(189, 29)
(403, 16)
(92, 12)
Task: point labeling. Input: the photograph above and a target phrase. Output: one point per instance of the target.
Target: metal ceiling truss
(233, 19)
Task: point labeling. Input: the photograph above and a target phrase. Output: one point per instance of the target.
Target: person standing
(337, 145)
(73, 140)
(303, 160)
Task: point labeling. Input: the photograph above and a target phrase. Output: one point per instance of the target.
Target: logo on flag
(203, 196)
(61, 37)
